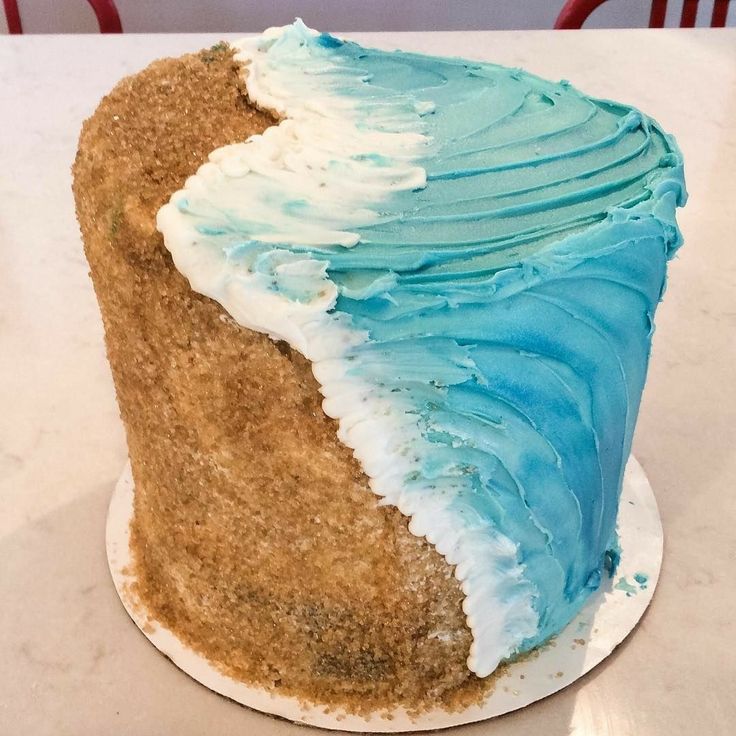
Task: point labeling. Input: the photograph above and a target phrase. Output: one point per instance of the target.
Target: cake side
(471, 257)
(256, 538)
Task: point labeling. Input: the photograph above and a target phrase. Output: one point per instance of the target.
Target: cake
(379, 326)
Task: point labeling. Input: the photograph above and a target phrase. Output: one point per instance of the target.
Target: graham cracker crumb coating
(256, 538)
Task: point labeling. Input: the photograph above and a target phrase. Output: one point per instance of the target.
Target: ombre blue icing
(471, 257)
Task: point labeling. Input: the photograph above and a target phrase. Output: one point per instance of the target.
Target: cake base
(609, 616)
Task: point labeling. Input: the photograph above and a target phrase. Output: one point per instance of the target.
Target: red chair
(105, 10)
(575, 12)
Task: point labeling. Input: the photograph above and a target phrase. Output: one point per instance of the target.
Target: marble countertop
(73, 662)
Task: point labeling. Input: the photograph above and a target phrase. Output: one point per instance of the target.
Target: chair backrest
(575, 12)
(107, 14)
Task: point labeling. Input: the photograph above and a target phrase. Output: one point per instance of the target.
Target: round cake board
(609, 616)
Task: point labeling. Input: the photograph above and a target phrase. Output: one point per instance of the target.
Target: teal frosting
(510, 301)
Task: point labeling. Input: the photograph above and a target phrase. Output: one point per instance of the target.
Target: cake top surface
(471, 257)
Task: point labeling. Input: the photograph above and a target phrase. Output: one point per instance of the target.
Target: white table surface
(71, 662)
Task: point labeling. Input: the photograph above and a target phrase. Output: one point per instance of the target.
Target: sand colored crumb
(256, 538)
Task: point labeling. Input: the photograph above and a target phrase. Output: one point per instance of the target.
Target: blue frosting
(509, 302)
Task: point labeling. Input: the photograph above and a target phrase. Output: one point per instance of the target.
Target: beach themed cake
(379, 326)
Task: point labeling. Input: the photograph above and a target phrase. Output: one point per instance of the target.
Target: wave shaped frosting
(471, 258)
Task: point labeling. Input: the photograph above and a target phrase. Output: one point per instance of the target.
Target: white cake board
(610, 615)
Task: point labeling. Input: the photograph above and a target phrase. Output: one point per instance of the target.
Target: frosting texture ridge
(471, 257)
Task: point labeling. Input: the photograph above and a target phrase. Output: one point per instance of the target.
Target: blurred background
(182, 16)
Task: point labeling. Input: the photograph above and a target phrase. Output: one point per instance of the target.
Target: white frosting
(311, 180)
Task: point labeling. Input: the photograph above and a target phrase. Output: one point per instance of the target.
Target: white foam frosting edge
(325, 131)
